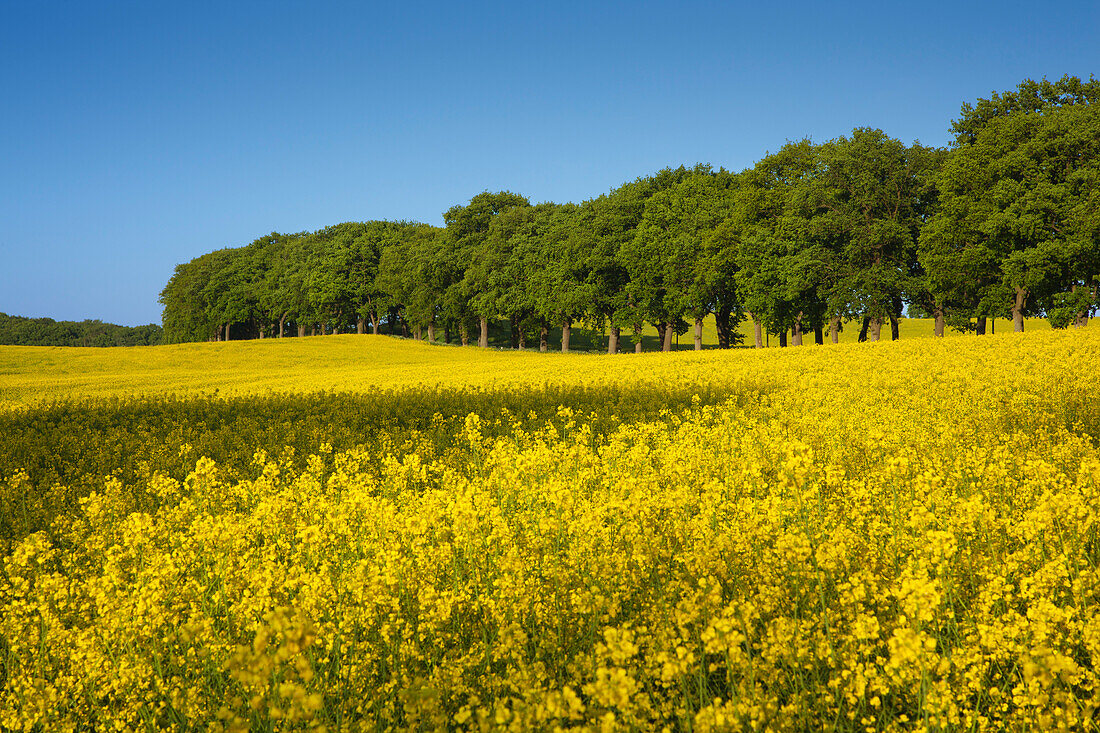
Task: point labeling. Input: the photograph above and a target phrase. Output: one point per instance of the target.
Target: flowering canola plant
(367, 364)
(871, 537)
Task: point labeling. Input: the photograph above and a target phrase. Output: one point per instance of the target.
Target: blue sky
(137, 135)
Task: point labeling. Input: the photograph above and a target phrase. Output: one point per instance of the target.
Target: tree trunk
(637, 338)
(431, 332)
(980, 326)
(446, 334)
(313, 330)
(698, 333)
(939, 320)
(227, 332)
(282, 323)
(301, 331)
(834, 329)
(819, 335)
(1018, 310)
(722, 323)
(544, 335)
(796, 331)
(464, 333)
(613, 340)
(863, 329)
(894, 335)
(483, 339)
(566, 327)
(1082, 318)
(261, 334)
(416, 332)
(514, 323)
(782, 338)
(670, 330)
(757, 331)
(361, 326)
(522, 338)
(876, 328)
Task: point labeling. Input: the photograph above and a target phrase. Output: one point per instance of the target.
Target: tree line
(1005, 222)
(21, 331)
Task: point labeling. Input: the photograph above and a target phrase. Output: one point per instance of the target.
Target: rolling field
(39, 374)
(365, 533)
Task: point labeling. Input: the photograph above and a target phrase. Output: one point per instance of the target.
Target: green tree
(272, 308)
(467, 228)
(1018, 233)
(184, 315)
(411, 280)
(869, 193)
(639, 252)
(343, 269)
(553, 253)
(606, 224)
(499, 276)
(769, 224)
(674, 258)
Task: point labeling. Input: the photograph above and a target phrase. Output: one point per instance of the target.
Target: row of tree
(1004, 223)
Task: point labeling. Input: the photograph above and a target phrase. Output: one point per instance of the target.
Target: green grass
(587, 338)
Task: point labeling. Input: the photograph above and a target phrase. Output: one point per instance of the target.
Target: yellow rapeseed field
(351, 363)
(867, 537)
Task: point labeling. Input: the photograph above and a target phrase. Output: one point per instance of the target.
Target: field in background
(583, 338)
(352, 363)
(371, 533)
(596, 340)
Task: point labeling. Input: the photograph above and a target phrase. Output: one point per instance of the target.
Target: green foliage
(554, 256)
(870, 195)
(674, 267)
(1019, 217)
(412, 279)
(20, 331)
(1067, 308)
(1030, 96)
(829, 231)
(775, 255)
(471, 288)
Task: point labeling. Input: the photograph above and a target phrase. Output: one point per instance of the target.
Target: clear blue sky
(137, 135)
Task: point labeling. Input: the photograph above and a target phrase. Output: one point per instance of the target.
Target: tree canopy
(22, 331)
(1017, 232)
